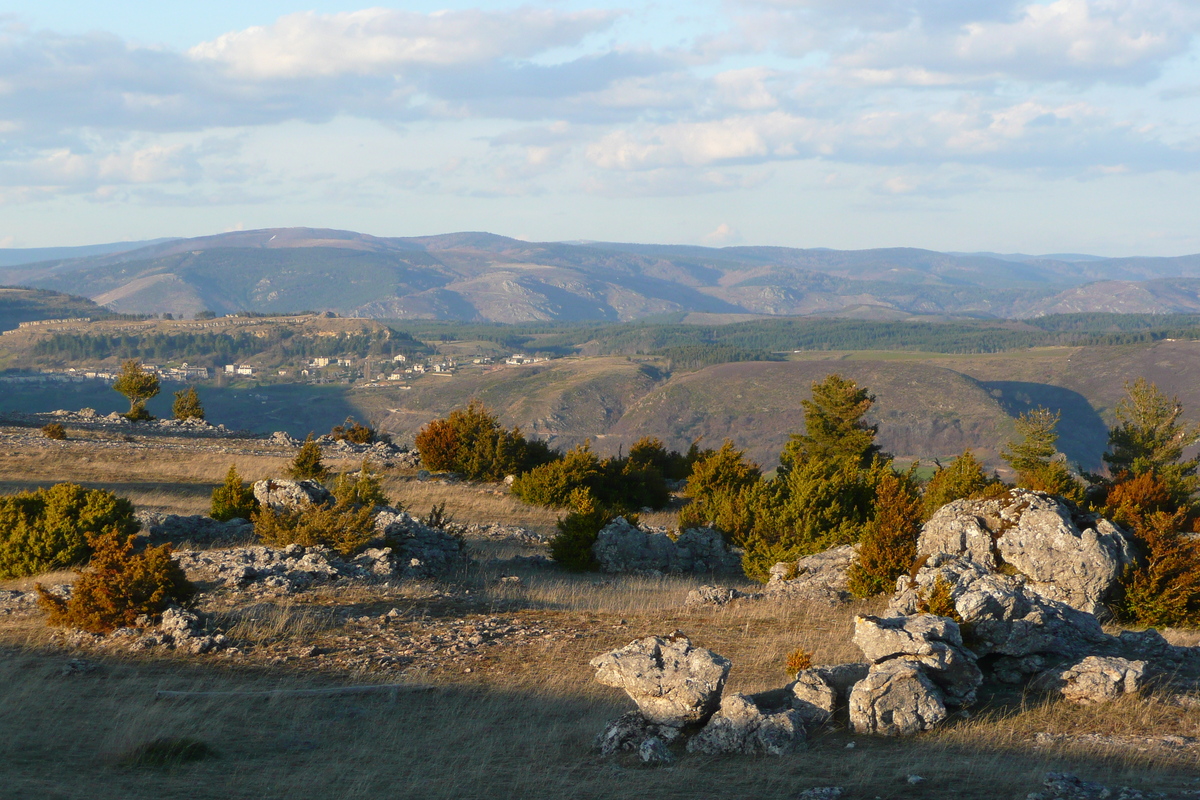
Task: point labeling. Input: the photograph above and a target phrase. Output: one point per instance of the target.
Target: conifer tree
(233, 499)
(1150, 437)
(889, 543)
(963, 478)
(834, 426)
(138, 386)
(307, 463)
(1035, 458)
(187, 404)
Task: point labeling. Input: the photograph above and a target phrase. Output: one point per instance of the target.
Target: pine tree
(138, 386)
(1035, 458)
(834, 426)
(963, 478)
(307, 463)
(187, 404)
(1150, 436)
(233, 499)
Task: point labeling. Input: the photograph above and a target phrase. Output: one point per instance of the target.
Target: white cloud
(381, 41)
(723, 235)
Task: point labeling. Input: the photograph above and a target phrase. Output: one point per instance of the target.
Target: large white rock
(1067, 556)
(895, 699)
(932, 643)
(672, 682)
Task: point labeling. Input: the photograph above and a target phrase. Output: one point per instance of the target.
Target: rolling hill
(485, 277)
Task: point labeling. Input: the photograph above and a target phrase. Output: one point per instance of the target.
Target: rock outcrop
(819, 691)
(1096, 679)
(933, 644)
(822, 577)
(285, 495)
(621, 547)
(896, 698)
(1007, 617)
(672, 682)
(420, 551)
(749, 724)
(1066, 555)
(195, 529)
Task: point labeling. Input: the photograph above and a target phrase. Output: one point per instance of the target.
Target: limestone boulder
(930, 642)
(1066, 555)
(622, 547)
(819, 691)
(1007, 617)
(1096, 679)
(750, 724)
(672, 682)
(630, 731)
(896, 698)
(284, 495)
(821, 578)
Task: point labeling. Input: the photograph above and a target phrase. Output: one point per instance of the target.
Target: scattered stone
(654, 751)
(77, 666)
(822, 793)
(629, 731)
(895, 699)
(621, 547)
(1065, 786)
(821, 578)
(285, 495)
(672, 682)
(749, 724)
(1096, 679)
(1067, 556)
(914, 780)
(708, 595)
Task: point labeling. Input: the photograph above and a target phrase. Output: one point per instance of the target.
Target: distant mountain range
(485, 277)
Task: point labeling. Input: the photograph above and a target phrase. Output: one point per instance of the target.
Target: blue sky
(1006, 125)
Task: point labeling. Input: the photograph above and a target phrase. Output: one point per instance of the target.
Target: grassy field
(518, 724)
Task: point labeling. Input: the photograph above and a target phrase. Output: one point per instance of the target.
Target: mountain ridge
(483, 276)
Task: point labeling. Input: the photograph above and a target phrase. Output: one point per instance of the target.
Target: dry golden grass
(520, 725)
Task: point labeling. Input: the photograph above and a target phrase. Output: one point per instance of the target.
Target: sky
(966, 125)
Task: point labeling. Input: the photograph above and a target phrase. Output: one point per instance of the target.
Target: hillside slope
(485, 277)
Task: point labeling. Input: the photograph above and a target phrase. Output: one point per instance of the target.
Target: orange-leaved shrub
(889, 543)
(471, 442)
(1164, 589)
(118, 586)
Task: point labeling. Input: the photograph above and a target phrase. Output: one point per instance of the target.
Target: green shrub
(47, 529)
(939, 601)
(344, 527)
(889, 543)
(307, 463)
(187, 404)
(552, 484)
(650, 452)
(364, 489)
(962, 479)
(616, 483)
(54, 430)
(719, 488)
(118, 586)
(233, 499)
(571, 547)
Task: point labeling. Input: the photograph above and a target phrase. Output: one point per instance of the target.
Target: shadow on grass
(71, 736)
